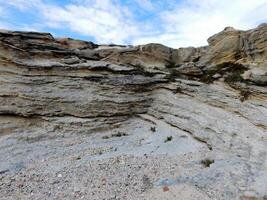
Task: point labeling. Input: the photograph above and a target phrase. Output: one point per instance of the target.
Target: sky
(174, 23)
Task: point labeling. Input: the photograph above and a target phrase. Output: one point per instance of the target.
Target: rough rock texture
(86, 121)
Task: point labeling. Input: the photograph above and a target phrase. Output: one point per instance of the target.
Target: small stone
(166, 189)
(217, 76)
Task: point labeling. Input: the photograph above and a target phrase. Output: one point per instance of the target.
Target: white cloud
(187, 23)
(168, 39)
(105, 20)
(194, 21)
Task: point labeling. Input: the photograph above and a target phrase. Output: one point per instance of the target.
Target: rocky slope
(85, 121)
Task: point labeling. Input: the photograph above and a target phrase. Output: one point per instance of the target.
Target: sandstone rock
(91, 112)
(189, 69)
(257, 75)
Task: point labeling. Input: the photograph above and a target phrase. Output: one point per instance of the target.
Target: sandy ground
(138, 160)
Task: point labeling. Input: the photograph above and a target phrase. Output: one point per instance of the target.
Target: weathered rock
(189, 69)
(85, 121)
(257, 75)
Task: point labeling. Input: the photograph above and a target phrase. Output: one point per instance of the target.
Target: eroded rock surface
(85, 121)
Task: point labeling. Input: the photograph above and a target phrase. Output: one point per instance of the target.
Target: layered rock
(146, 104)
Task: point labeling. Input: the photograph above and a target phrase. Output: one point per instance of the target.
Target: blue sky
(175, 23)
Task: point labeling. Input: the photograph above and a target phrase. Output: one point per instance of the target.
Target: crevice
(40, 116)
(189, 132)
(145, 119)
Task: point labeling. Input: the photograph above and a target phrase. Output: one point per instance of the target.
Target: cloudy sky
(175, 23)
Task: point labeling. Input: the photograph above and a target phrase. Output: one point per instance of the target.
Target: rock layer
(188, 122)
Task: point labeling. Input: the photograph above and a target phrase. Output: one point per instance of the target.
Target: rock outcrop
(81, 120)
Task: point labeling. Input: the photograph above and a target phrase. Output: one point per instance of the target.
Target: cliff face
(192, 121)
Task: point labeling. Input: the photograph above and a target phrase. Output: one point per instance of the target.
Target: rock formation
(85, 121)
